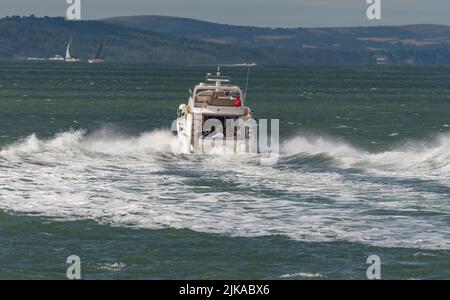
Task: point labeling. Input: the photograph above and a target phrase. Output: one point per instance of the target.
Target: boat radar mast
(218, 79)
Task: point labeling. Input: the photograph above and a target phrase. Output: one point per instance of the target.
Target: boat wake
(103, 141)
(427, 159)
(320, 190)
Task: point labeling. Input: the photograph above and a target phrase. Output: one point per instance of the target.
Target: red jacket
(238, 102)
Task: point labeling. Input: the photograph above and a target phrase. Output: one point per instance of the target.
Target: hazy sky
(273, 13)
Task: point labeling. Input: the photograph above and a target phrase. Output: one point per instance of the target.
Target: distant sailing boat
(69, 57)
(100, 55)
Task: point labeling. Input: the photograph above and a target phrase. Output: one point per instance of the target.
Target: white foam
(423, 160)
(112, 267)
(140, 182)
(102, 141)
(302, 275)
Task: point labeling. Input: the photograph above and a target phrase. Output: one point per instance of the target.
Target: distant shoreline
(170, 40)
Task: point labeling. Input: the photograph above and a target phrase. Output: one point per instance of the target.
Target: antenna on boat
(218, 79)
(246, 83)
(218, 71)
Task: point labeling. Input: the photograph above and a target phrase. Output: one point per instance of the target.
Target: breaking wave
(423, 159)
(102, 141)
(320, 190)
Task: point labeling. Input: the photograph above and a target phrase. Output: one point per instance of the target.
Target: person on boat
(237, 102)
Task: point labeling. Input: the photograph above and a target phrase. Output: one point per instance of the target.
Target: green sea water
(87, 169)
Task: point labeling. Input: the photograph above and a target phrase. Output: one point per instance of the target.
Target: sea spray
(430, 156)
(101, 141)
(138, 181)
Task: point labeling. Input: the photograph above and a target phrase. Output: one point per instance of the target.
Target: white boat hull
(96, 61)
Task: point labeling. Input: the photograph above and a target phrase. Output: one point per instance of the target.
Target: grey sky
(273, 13)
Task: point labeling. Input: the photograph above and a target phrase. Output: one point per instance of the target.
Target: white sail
(68, 54)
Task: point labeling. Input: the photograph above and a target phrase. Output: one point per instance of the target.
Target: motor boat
(215, 117)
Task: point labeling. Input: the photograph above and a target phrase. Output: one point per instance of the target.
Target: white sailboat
(56, 58)
(99, 55)
(69, 57)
